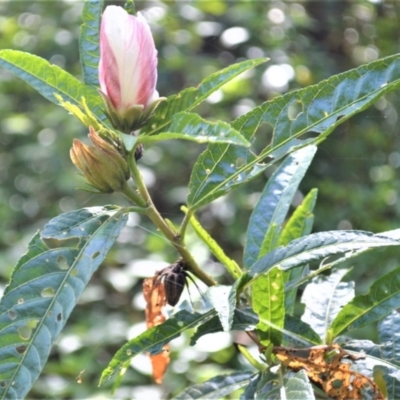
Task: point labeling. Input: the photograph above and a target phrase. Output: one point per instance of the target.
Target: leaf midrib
(42, 319)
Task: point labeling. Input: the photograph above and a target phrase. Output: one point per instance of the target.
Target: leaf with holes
(317, 109)
(49, 80)
(189, 98)
(44, 288)
(89, 48)
(324, 297)
(218, 387)
(274, 202)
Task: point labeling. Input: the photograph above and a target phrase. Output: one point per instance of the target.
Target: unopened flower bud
(102, 165)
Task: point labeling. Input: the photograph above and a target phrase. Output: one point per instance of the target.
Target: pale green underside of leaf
(189, 98)
(274, 202)
(318, 246)
(224, 304)
(389, 337)
(89, 49)
(298, 387)
(153, 339)
(317, 109)
(44, 288)
(50, 79)
(275, 387)
(218, 387)
(192, 127)
(324, 297)
(382, 298)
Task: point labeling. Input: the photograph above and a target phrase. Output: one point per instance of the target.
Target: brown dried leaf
(160, 362)
(329, 368)
(154, 295)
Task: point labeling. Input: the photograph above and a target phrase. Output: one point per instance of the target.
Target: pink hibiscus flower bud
(127, 68)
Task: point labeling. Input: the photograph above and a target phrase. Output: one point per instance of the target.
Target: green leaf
(296, 329)
(301, 222)
(268, 299)
(318, 246)
(298, 387)
(324, 297)
(270, 241)
(44, 288)
(224, 303)
(243, 320)
(274, 202)
(190, 126)
(269, 385)
(89, 48)
(218, 387)
(382, 298)
(189, 98)
(391, 381)
(153, 339)
(214, 247)
(295, 333)
(317, 109)
(49, 80)
(371, 351)
(250, 391)
(129, 141)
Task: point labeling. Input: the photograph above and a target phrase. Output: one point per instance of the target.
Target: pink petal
(128, 59)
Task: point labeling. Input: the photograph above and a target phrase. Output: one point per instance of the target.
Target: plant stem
(185, 221)
(128, 192)
(163, 227)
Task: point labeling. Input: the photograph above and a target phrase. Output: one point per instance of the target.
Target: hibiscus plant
(298, 356)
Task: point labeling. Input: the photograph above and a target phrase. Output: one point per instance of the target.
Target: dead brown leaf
(330, 368)
(154, 295)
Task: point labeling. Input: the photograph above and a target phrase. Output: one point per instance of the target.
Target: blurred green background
(356, 169)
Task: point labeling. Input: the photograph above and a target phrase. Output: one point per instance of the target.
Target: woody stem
(169, 233)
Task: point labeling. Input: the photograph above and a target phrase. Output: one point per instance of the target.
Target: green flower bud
(102, 165)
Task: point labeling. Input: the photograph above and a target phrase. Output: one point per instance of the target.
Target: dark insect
(139, 152)
(175, 279)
